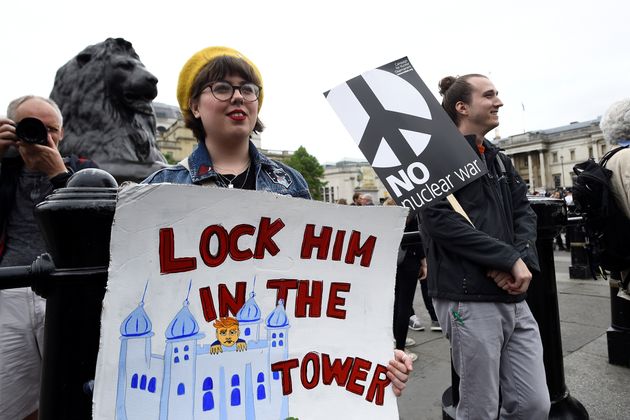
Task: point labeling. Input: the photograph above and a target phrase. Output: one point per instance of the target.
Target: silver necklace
(228, 183)
(239, 170)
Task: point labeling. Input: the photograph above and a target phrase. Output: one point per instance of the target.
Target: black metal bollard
(76, 224)
(618, 334)
(542, 298)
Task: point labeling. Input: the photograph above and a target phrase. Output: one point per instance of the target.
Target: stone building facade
(545, 158)
(346, 177)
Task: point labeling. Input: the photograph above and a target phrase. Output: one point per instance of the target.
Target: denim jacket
(271, 175)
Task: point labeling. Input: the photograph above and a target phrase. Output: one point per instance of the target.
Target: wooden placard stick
(458, 207)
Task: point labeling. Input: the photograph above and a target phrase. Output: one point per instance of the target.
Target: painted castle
(189, 383)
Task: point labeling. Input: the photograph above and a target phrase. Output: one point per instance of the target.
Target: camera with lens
(32, 130)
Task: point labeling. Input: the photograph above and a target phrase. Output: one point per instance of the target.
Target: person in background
(28, 173)
(414, 322)
(356, 199)
(615, 125)
(366, 200)
(568, 197)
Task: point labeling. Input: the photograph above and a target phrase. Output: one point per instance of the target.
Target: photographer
(28, 172)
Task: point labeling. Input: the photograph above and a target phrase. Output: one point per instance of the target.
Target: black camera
(33, 131)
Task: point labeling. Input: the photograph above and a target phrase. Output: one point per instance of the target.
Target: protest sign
(404, 133)
(231, 304)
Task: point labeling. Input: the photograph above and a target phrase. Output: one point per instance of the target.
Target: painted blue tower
(180, 357)
(278, 341)
(138, 382)
(249, 319)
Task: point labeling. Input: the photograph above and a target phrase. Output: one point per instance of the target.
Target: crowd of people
(474, 269)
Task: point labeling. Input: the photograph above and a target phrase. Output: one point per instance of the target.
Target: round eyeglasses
(224, 91)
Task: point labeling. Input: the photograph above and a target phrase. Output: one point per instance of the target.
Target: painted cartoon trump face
(227, 331)
(228, 336)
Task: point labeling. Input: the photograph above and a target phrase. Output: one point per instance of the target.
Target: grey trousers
(496, 345)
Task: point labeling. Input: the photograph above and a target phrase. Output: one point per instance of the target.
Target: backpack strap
(499, 159)
(604, 160)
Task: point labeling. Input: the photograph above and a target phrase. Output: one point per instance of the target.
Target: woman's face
(226, 121)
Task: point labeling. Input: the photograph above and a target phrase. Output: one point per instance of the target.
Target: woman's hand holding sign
(398, 371)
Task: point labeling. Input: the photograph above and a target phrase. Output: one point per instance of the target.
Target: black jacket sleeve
(452, 231)
(416, 248)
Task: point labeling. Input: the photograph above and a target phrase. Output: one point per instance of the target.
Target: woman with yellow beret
(220, 92)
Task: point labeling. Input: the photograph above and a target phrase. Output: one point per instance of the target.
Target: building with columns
(346, 177)
(545, 158)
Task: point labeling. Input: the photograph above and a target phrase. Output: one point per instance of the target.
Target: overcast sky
(562, 61)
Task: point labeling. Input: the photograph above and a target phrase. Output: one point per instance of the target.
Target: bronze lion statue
(105, 96)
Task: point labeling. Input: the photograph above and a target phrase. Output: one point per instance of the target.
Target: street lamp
(562, 169)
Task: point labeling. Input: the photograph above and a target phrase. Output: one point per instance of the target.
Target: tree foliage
(310, 168)
(170, 159)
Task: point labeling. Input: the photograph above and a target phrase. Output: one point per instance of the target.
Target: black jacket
(459, 255)
(10, 169)
(414, 249)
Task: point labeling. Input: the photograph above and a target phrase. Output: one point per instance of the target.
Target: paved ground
(602, 388)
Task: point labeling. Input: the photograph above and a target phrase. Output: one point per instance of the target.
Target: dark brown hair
(455, 89)
(218, 69)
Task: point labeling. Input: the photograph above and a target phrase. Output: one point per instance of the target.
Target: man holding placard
(480, 260)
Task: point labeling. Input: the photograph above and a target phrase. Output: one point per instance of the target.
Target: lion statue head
(105, 95)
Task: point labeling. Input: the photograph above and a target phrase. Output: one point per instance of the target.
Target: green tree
(309, 167)
(170, 159)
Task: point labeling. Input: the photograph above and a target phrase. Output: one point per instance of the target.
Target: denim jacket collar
(201, 167)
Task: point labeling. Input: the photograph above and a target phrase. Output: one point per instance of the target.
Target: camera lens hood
(32, 130)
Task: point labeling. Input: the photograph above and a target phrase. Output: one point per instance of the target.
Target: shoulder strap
(604, 160)
(500, 162)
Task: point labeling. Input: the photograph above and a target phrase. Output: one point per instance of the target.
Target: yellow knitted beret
(194, 65)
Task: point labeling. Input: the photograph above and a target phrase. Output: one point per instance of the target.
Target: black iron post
(76, 224)
(542, 298)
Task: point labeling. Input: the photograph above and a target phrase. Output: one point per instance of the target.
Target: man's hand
(398, 371)
(501, 278)
(216, 349)
(515, 282)
(40, 158)
(522, 277)
(7, 135)
(423, 269)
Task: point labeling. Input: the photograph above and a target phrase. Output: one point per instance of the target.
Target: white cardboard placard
(309, 284)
